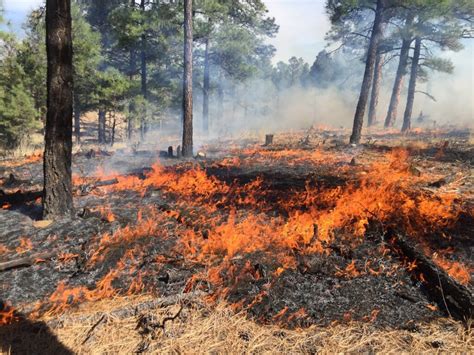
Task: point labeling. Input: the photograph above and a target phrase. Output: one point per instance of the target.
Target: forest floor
(246, 248)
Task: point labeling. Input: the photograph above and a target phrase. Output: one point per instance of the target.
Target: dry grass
(202, 329)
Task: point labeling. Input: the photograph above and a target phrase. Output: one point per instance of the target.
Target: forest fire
(239, 227)
(161, 166)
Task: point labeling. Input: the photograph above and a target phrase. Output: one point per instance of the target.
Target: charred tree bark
(206, 88)
(451, 296)
(397, 86)
(374, 97)
(144, 90)
(57, 199)
(102, 125)
(188, 80)
(377, 32)
(412, 86)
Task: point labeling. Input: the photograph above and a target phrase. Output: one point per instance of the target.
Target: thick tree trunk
(188, 80)
(377, 32)
(144, 90)
(374, 97)
(102, 124)
(412, 86)
(397, 85)
(57, 200)
(206, 88)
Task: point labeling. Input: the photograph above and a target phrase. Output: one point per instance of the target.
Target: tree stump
(269, 139)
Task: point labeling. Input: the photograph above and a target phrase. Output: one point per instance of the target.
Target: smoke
(454, 93)
(300, 108)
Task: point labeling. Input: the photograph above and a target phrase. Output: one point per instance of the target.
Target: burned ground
(290, 233)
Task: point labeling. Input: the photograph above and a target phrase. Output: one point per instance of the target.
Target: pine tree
(57, 199)
(18, 115)
(188, 80)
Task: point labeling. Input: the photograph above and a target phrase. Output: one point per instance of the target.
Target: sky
(16, 11)
(303, 24)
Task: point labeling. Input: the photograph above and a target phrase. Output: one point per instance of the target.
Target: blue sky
(16, 11)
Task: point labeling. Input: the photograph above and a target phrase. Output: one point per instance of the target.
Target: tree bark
(188, 80)
(112, 133)
(412, 86)
(374, 97)
(397, 86)
(206, 88)
(57, 201)
(220, 98)
(101, 130)
(132, 71)
(400, 75)
(377, 32)
(144, 90)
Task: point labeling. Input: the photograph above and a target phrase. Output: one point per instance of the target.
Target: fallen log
(456, 299)
(19, 197)
(26, 261)
(128, 311)
(84, 189)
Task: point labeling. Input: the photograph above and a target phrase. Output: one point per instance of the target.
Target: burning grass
(218, 223)
(262, 229)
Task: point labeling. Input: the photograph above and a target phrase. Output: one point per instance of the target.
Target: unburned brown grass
(203, 329)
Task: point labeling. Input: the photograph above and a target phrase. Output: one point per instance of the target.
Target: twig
(91, 330)
(26, 261)
(442, 295)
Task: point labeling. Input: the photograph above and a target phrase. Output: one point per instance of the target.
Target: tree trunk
(131, 106)
(101, 130)
(377, 32)
(206, 88)
(397, 86)
(188, 80)
(133, 70)
(220, 98)
(412, 86)
(374, 97)
(57, 200)
(112, 134)
(144, 91)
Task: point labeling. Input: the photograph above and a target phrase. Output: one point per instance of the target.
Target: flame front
(220, 222)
